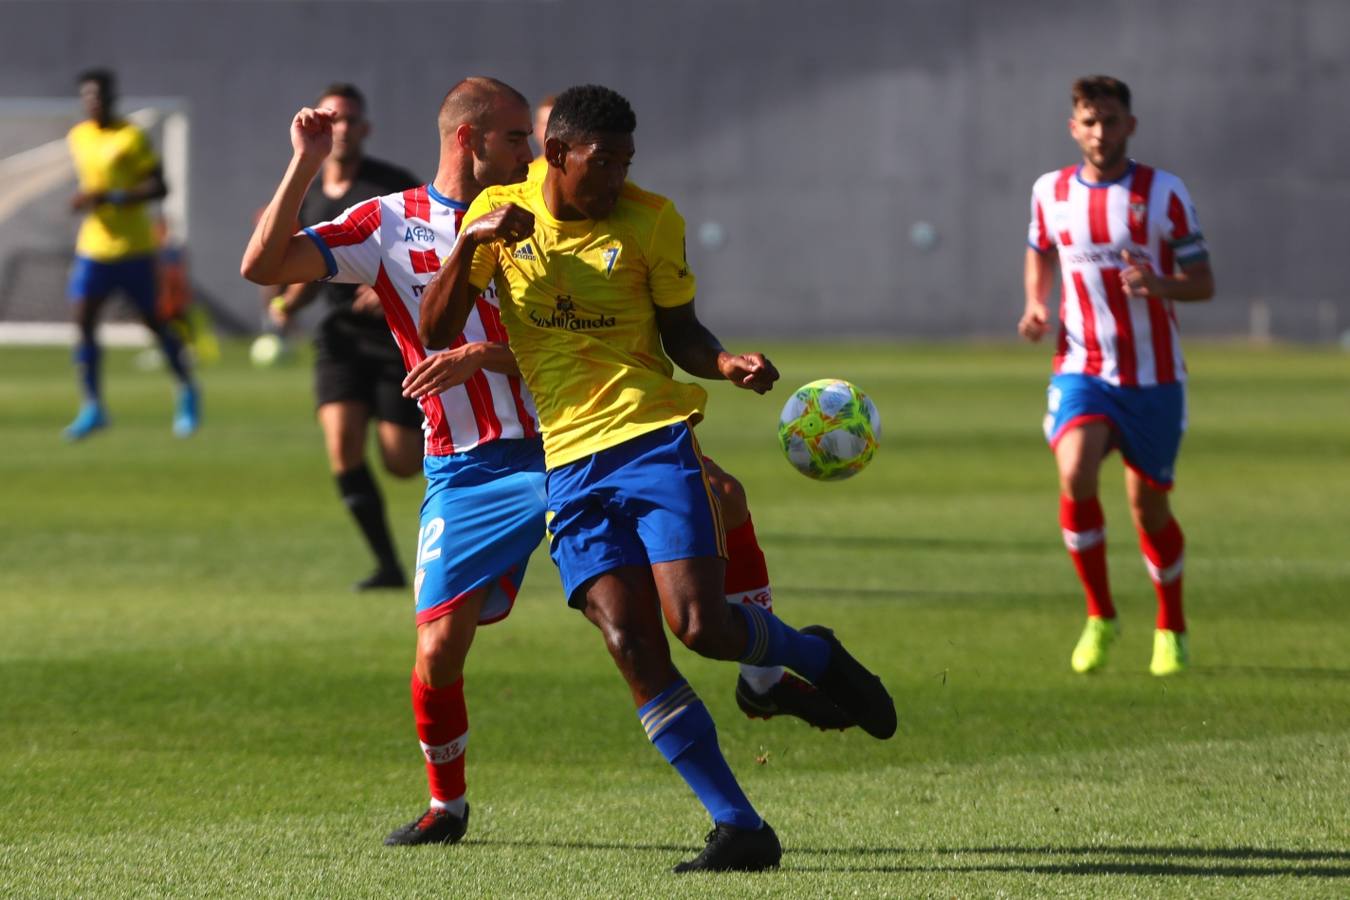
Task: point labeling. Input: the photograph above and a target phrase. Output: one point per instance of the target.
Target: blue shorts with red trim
(136, 277)
(1146, 422)
(482, 517)
(641, 502)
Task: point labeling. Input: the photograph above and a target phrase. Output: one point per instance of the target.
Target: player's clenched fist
(312, 133)
(1138, 278)
(752, 371)
(507, 223)
(1032, 324)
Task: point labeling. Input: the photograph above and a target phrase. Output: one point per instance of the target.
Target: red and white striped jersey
(1129, 341)
(395, 243)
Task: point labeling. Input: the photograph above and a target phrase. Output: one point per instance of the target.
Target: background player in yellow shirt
(595, 291)
(118, 175)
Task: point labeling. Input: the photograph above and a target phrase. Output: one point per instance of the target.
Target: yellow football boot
(1097, 637)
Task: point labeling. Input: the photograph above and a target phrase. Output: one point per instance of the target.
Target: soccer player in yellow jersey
(118, 174)
(595, 291)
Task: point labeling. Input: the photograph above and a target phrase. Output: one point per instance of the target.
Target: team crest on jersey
(610, 256)
(1137, 213)
(524, 252)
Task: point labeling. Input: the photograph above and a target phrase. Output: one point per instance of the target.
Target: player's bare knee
(438, 662)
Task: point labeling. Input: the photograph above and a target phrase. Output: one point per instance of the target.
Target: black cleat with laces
(435, 826)
(791, 696)
(732, 849)
(857, 691)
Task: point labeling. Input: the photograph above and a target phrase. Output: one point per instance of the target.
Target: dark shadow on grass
(1160, 861)
(1108, 868)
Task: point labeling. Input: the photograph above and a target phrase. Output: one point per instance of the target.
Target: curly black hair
(589, 109)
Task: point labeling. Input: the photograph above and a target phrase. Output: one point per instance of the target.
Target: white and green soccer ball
(829, 430)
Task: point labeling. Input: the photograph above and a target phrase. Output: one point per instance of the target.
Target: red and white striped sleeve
(1181, 228)
(350, 244)
(1038, 235)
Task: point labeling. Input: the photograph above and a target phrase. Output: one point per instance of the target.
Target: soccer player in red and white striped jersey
(483, 513)
(1128, 247)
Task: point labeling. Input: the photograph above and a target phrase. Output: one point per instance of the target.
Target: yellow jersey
(115, 158)
(578, 300)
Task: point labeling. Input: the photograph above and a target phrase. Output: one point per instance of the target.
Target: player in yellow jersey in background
(118, 175)
(595, 291)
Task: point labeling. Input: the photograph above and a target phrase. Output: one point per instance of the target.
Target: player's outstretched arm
(695, 349)
(276, 254)
(449, 297)
(1038, 276)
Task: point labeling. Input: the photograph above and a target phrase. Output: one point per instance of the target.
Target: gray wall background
(815, 133)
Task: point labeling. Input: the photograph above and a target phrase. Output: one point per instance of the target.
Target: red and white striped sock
(1165, 559)
(443, 730)
(747, 581)
(1084, 528)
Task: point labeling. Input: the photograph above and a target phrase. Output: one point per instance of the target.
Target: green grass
(193, 703)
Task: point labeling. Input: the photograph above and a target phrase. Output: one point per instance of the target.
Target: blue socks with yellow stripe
(678, 724)
(772, 642)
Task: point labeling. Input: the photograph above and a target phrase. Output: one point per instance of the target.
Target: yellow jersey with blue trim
(113, 158)
(579, 299)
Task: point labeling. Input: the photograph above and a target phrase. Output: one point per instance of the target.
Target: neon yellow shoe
(1097, 637)
(1170, 653)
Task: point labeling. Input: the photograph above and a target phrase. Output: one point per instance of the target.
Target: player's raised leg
(762, 692)
(1079, 452)
(442, 722)
(1162, 544)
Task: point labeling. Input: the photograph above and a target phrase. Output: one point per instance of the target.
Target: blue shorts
(644, 501)
(135, 277)
(1146, 422)
(482, 517)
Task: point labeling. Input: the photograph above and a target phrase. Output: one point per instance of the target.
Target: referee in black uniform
(358, 372)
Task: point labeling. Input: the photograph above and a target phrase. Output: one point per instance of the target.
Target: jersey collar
(444, 200)
(1078, 174)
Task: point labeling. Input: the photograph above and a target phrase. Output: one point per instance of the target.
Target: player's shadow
(1232, 862)
(1200, 862)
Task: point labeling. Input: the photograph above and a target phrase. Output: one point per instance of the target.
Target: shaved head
(472, 101)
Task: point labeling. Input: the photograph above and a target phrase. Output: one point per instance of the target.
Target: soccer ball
(829, 430)
(267, 350)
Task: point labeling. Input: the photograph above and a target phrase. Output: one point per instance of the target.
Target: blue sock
(678, 724)
(172, 348)
(87, 356)
(773, 642)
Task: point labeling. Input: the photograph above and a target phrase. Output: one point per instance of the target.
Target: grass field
(192, 702)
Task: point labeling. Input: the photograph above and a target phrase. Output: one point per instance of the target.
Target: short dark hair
(346, 90)
(1091, 88)
(104, 78)
(589, 109)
